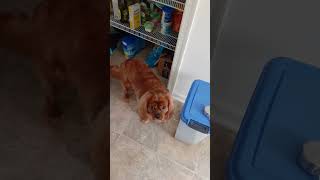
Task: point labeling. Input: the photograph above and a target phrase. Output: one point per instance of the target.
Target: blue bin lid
(282, 115)
(193, 109)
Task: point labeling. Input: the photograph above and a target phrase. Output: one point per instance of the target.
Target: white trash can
(194, 123)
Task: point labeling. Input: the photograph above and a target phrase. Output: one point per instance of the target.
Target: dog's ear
(143, 106)
(170, 111)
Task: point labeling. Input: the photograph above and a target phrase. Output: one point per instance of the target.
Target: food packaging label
(134, 16)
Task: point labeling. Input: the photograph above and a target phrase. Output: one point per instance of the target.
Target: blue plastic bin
(284, 113)
(194, 124)
(131, 45)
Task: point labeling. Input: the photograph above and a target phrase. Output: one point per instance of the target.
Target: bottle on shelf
(166, 20)
(130, 2)
(116, 10)
(124, 11)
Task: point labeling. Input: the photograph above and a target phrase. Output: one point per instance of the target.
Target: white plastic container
(194, 125)
(188, 135)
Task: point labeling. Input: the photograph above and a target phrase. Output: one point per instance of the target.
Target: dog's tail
(14, 32)
(115, 72)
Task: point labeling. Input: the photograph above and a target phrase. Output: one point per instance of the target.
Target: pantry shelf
(177, 4)
(165, 41)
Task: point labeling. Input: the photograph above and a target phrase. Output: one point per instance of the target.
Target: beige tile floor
(149, 151)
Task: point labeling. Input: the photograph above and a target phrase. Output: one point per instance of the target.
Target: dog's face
(158, 105)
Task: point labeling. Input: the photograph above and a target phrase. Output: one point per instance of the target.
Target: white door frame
(185, 28)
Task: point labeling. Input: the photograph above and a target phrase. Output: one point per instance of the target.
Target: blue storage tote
(283, 114)
(194, 124)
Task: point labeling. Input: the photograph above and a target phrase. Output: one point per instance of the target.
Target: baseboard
(179, 97)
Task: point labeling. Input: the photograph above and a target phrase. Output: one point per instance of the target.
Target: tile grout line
(149, 149)
(118, 135)
(159, 154)
(194, 172)
(177, 163)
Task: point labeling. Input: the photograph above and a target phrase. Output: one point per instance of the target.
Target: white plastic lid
(207, 111)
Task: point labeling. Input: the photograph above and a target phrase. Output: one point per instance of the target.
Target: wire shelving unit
(167, 41)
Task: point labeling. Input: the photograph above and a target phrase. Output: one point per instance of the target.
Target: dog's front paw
(145, 121)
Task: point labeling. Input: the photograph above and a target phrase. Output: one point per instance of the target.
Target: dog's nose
(157, 115)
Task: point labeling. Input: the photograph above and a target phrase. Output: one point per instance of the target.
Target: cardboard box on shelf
(134, 16)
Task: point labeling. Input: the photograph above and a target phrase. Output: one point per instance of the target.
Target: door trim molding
(185, 28)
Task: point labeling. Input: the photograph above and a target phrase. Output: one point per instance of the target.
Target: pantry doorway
(174, 42)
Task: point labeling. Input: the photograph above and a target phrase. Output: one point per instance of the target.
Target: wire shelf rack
(177, 4)
(156, 37)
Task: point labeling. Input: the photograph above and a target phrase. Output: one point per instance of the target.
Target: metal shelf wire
(177, 4)
(168, 42)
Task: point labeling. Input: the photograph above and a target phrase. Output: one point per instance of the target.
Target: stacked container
(194, 123)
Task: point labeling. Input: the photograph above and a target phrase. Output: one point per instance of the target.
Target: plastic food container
(148, 26)
(194, 124)
(166, 28)
(167, 14)
(155, 18)
(132, 45)
(283, 114)
(166, 20)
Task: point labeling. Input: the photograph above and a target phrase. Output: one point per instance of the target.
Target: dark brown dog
(154, 100)
(67, 41)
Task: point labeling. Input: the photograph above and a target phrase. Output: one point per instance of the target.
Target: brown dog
(154, 100)
(67, 41)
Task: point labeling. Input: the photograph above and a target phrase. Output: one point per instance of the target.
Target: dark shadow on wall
(51, 58)
(218, 12)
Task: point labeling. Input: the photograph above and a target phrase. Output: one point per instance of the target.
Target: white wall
(252, 34)
(195, 58)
